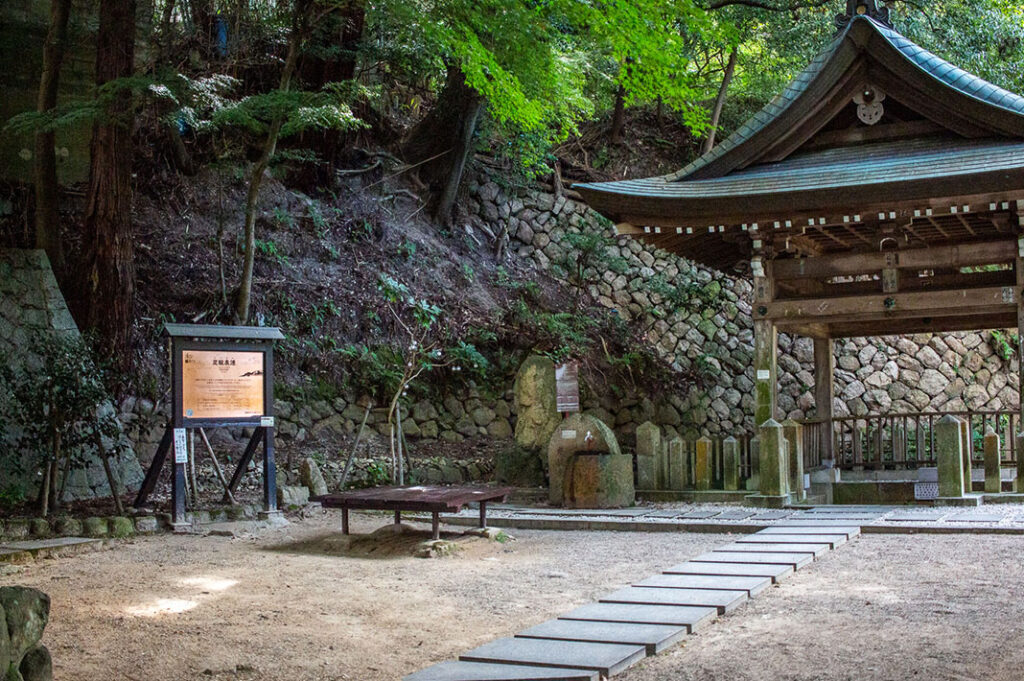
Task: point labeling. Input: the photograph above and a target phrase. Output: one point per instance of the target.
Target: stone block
(27, 612)
(692, 617)
(607, 658)
(774, 466)
(702, 465)
(949, 451)
(146, 524)
(793, 432)
(95, 527)
(794, 560)
(458, 670)
(993, 469)
(775, 572)
(654, 637)
(121, 526)
(289, 496)
(677, 468)
(751, 585)
(731, 464)
(578, 433)
(39, 527)
(68, 527)
(724, 600)
(649, 451)
(598, 481)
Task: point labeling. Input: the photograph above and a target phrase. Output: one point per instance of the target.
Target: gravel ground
(882, 607)
(304, 602)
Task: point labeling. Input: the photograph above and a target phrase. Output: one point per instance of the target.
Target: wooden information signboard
(567, 387)
(222, 384)
(221, 376)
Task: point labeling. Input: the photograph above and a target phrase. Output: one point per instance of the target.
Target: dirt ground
(303, 602)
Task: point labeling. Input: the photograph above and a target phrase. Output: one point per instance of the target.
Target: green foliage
(57, 406)
(1005, 344)
(588, 254)
(298, 110)
(268, 249)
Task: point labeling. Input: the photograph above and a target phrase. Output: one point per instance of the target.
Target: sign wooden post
(221, 377)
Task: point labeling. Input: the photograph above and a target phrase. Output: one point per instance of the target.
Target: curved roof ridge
(930, 64)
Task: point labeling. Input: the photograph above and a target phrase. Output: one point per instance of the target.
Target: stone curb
(705, 528)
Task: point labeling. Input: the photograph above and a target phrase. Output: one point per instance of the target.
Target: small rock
(37, 665)
(312, 478)
(95, 527)
(436, 548)
(27, 612)
(121, 526)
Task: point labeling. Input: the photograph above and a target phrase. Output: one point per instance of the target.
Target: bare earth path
(300, 603)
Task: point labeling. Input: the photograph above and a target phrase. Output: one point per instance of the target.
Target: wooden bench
(432, 498)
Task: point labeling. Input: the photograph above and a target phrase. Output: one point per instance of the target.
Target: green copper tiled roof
(935, 66)
(868, 164)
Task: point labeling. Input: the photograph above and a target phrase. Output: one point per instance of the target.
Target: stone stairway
(600, 640)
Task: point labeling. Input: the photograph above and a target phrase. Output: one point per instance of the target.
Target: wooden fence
(899, 441)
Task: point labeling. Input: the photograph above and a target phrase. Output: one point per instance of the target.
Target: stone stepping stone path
(599, 640)
(654, 637)
(725, 601)
(752, 585)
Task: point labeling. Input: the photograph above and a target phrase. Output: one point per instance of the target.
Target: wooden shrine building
(881, 193)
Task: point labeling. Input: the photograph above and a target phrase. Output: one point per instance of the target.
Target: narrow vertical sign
(180, 446)
(567, 387)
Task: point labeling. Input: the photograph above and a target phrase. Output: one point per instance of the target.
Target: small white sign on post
(180, 446)
(763, 374)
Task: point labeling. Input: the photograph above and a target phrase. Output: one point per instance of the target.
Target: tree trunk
(47, 190)
(242, 304)
(716, 113)
(110, 288)
(443, 140)
(618, 117)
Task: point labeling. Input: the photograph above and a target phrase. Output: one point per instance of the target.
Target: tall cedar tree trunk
(618, 117)
(443, 140)
(244, 299)
(716, 113)
(110, 288)
(46, 187)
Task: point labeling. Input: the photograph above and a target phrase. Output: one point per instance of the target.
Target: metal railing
(896, 441)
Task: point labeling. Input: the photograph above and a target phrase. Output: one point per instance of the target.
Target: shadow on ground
(389, 541)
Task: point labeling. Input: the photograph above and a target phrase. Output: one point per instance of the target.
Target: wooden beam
(895, 327)
(991, 300)
(816, 288)
(962, 255)
(863, 133)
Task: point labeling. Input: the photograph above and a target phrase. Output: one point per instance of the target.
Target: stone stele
(537, 414)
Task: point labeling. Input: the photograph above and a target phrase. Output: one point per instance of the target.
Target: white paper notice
(568, 434)
(180, 446)
(763, 374)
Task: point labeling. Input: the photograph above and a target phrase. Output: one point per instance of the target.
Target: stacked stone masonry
(877, 375)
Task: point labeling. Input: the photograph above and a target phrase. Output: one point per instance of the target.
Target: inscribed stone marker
(993, 481)
(949, 450)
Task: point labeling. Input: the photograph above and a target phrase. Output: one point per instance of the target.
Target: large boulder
(578, 433)
(26, 612)
(535, 403)
(37, 665)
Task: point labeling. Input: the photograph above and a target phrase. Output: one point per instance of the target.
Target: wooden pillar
(1019, 265)
(824, 387)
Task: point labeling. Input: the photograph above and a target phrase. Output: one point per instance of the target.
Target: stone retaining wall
(878, 375)
(31, 306)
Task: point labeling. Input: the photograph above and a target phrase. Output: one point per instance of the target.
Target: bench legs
(398, 517)
(344, 521)
(435, 525)
(483, 514)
